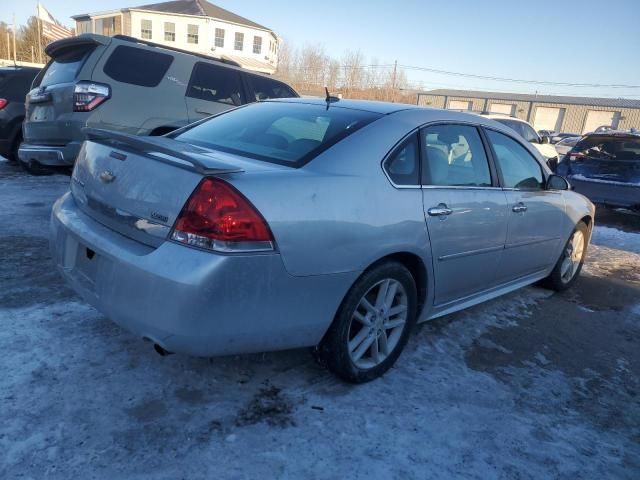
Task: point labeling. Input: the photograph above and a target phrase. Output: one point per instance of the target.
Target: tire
(12, 154)
(354, 323)
(559, 279)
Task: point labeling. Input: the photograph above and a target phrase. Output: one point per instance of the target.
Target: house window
(239, 44)
(219, 37)
(257, 45)
(145, 29)
(192, 33)
(169, 32)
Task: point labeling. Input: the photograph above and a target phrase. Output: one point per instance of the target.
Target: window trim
(142, 29)
(259, 52)
(196, 35)
(493, 173)
(494, 157)
(169, 32)
(216, 38)
(235, 42)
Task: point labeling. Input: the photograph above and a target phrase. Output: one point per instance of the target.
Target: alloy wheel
(572, 256)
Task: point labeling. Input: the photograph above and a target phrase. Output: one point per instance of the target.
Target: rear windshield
(610, 147)
(278, 132)
(137, 66)
(65, 66)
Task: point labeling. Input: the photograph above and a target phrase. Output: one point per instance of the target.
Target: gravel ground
(531, 385)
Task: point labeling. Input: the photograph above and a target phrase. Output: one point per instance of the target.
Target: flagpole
(39, 32)
(14, 40)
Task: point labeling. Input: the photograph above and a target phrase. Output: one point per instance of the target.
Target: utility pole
(8, 46)
(393, 81)
(39, 32)
(14, 39)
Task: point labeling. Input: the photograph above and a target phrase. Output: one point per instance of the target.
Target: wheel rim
(377, 323)
(572, 256)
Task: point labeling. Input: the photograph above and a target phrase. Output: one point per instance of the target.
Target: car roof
(372, 106)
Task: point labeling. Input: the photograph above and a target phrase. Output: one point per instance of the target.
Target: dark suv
(606, 167)
(15, 82)
(128, 85)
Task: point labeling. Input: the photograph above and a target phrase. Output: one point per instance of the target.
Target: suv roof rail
(127, 38)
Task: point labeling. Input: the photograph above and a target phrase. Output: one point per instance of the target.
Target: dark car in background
(128, 85)
(558, 137)
(605, 167)
(15, 82)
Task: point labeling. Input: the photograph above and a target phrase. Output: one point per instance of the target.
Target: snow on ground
(531, 385)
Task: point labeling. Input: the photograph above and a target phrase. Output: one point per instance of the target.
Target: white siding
(459, 105)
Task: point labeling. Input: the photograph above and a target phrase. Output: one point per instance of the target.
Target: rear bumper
(191, 301)
(53, 156)
(614, 194)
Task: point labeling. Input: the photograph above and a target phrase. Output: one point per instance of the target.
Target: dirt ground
(531, 385)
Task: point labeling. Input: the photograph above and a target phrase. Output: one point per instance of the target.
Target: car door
(465, 210)
(213, 89)
(535, 213)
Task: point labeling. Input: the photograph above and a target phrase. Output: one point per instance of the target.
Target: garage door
(597, 118)
(505, 108)
(459, 105)
(548, 118)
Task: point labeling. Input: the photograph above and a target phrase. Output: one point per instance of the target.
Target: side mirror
(556, 182)
(544, 139)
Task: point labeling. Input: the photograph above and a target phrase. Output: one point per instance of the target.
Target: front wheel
(372, 325)
(570, 263)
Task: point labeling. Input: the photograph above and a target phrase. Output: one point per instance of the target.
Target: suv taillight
(88, 95)
(3, 103)
(573, 157)
(218, 217)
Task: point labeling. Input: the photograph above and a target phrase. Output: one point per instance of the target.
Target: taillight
(218, 217)
(88, 95)
(576, 156)
(3, 103)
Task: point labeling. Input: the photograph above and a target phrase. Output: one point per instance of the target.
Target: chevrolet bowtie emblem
(107, 176)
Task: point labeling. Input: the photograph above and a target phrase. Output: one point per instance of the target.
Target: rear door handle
(519, 208)
(440, 211)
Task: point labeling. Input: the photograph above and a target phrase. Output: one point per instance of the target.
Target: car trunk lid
(137, 186)
(607, 158)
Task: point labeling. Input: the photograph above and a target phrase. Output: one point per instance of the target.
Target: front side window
(257, 45)
(219, 40)
(119, 66)
(169, 32)
(216, 84)
(518, 167)
(403, 165)
(239, 43)
(454, 156)
(146, 29)
(192, 34)
(265, 88)
(277, 132)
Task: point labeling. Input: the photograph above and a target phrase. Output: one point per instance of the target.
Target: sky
(568, 41)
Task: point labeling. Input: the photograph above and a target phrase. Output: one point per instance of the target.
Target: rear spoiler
(162, 149)
(86, 39)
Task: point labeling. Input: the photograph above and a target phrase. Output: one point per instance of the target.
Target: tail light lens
(218, 217)
(3, 103)
(88, 95)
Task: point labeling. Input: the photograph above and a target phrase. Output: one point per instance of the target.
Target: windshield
(610, 147)
(278, 132)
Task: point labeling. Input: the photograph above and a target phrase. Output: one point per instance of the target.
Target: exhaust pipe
(161, 351)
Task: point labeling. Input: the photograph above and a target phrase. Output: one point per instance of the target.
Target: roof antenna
(329, 98)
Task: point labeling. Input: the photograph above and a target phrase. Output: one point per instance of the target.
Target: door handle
(519, 208)
(440, 211)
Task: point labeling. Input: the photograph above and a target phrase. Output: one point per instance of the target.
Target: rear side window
(524, 130)
(518, 167)
(278, 132)
(454, 156)
(216, 84)
(65, 66)
(403, 165)
(137, 66)
(609, 147)
(14, 86)
(264, 89)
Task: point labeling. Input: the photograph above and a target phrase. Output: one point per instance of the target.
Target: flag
(51, 28)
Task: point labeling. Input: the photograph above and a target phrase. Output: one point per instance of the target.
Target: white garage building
(544, 112)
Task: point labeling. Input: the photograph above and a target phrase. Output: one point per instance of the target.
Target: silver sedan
(309, 223)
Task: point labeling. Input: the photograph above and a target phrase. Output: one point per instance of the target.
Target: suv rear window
(65, 66)
(289, 134)
(137, 66)
(610, 147)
